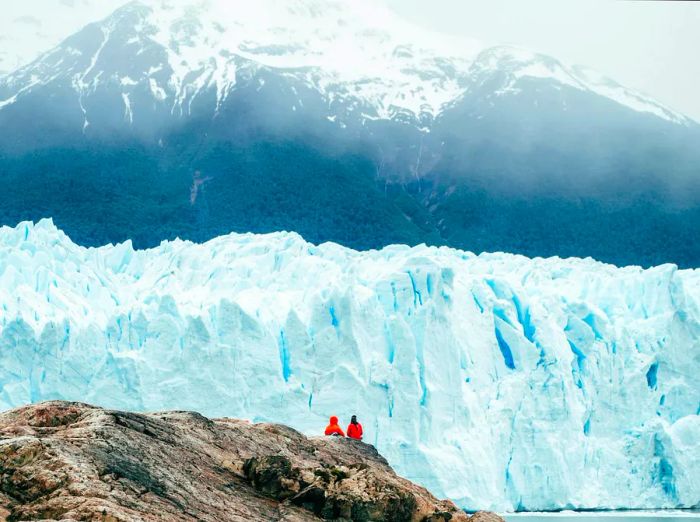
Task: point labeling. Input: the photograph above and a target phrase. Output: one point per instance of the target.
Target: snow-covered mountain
(353, 53)
(496, 380)
(188, 118)
(514, 64)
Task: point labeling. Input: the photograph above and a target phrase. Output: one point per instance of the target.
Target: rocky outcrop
(69, 461)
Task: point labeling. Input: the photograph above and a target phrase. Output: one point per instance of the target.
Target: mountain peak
(345, 50)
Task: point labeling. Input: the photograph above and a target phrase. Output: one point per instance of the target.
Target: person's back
(333, 428)
(355, 429)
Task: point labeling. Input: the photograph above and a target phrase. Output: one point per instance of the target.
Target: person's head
(334, 420)
(353, 420)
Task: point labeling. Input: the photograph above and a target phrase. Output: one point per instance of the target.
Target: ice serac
(496, 380)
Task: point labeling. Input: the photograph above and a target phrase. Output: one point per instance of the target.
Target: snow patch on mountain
(609, 88)
(480, 377)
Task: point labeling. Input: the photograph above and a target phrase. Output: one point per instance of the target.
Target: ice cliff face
(498, 381)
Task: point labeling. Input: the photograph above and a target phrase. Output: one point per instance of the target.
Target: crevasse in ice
(495, 380)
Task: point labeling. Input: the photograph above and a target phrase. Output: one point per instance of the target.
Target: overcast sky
(649, 46)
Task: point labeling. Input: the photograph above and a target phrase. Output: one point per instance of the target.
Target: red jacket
(355, 431)
(333, 428)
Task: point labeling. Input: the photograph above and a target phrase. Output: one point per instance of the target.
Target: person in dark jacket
(355, 429)
(333, 428)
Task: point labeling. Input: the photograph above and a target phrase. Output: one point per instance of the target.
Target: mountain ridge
(195, 41)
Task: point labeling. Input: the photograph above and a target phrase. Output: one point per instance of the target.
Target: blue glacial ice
(498, 381)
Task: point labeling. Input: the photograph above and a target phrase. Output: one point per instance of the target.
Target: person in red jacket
(333, 428)
(355, 429)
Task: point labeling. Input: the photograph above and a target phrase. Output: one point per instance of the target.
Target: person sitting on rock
(333, 428)
(355, 429)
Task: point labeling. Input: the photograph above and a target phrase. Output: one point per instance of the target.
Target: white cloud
(28, 20)
(35, 26)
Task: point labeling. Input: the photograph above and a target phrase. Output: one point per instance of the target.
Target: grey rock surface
(69, 461)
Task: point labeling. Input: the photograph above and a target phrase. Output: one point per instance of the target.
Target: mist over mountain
(345, 124)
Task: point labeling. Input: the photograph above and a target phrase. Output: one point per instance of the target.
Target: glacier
(498, 381)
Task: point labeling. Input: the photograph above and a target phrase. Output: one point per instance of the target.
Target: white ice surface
(499, 381)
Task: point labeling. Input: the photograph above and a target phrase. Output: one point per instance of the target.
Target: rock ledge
(71, 461)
